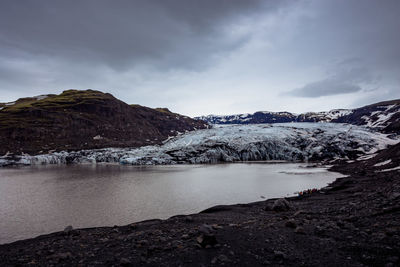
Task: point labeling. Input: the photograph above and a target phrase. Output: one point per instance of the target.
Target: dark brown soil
(353, 222)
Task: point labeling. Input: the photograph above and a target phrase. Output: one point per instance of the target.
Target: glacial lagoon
(37, 200)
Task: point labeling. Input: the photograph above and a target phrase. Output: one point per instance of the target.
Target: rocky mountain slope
(384, 116)
(87, 119)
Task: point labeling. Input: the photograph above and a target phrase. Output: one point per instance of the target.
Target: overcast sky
(200, 57)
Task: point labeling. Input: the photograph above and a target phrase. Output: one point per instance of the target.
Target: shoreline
(354, 221)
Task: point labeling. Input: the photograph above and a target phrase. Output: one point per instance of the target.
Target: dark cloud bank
(164, 52)
(344, 81)
(121, 34)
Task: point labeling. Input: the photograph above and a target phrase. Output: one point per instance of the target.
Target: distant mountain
(384, 116)
(87, 119)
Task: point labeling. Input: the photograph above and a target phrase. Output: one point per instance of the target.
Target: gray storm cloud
(345, 81)
(325, 88)
(122, 34)
(204, 56)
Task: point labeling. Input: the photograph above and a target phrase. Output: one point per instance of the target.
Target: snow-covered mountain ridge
(383, 116)
(230, 143)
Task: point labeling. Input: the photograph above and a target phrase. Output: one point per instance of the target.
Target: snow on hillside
(289, 141)
(376, 116)
(247, 118)
(40, 97)
(327, 116)
(276, 117)
(380, 118)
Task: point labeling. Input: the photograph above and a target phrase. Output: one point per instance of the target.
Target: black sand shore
(354, 222)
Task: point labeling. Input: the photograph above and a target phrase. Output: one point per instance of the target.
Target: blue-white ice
(229, 143)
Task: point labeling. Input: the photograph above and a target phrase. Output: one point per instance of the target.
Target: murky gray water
(43, 199)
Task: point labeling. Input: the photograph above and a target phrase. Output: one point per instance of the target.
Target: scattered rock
(216, 226)
(185, 236)
(297, 213)
(223, 258)
(205, 240)
(291, 223)
(320, 231)
(125, 262)
(206, 229)
(207, 237)
(68, 229)
(340, 224)
(279, 254)
(281, 205)
(299, 230)
(188, 219)
(143, 242)
(61, 256)
(394, 196)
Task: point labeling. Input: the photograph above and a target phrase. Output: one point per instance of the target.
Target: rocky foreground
(353, 222)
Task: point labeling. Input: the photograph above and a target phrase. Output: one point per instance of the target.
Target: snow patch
(382, 163)
(98, 137)
(337, 113)
(390, 107)
(40, 97)
(380, 118)
(391, 169)
(366, 157)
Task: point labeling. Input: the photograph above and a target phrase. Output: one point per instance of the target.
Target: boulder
(281, 204)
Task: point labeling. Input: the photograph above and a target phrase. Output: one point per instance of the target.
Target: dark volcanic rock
(68, 229)
(291, 223)
(76, 120)
(207, 237)
(281, 205)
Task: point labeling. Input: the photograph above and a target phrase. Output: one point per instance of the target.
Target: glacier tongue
(284, 141)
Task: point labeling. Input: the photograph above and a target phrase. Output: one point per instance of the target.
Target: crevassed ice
(282, 141)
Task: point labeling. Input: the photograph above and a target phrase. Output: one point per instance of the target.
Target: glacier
(303, 142)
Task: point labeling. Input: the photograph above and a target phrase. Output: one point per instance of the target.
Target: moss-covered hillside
(78, 119)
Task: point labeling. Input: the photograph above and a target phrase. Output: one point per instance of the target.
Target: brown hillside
(86, 119)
